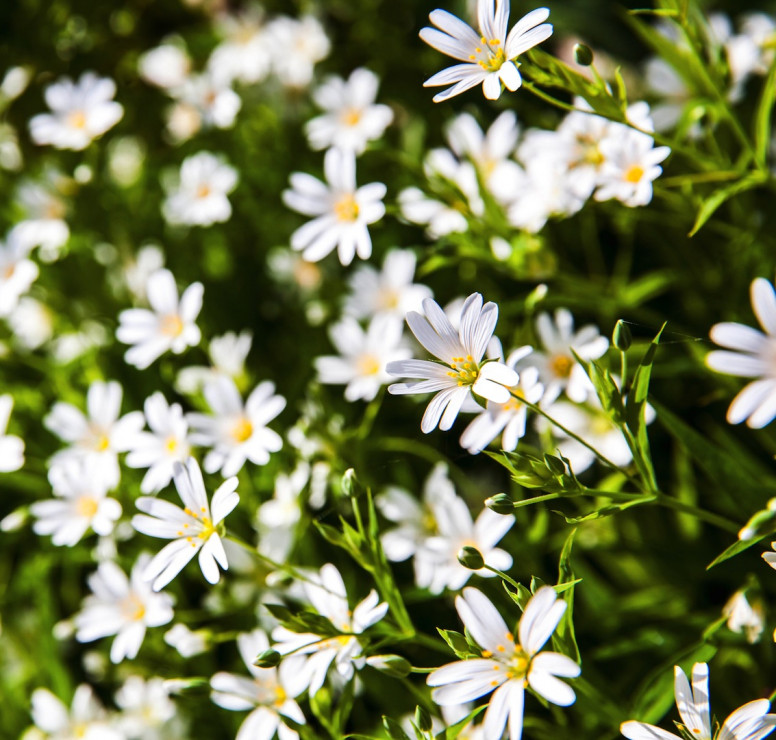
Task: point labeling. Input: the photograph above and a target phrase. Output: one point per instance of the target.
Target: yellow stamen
(242, 430)
(77, 119)
(633, 174)
(368, 365)
(562, 365)
(203, 190)
(86, 506)
(351, 116)
(346, 208)
(171, 325)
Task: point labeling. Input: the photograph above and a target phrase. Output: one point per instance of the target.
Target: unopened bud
(391, 665)
(267, 659)
(583, 54)
(470, 557)
(394, 730)
(423, 719)
(555, 464)
(501, 504)
(621, 336)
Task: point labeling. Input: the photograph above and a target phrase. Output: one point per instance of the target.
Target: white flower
(508, 666)
(44, 211)
(17, 272)
(390, 291)
(11, 446)
(193, 529)
(159, 449)
(352, 118)
(145, 707)
(461, 371)
(32, 323)
(557, 367)
(137, 270)
(238, 431)
(97, 438)
(313, 654)
(245, 54)
(269, 693)
(80, 502)
(186, 641)
(509, 417)
(216, 102)
(277, 518)
(749, 722)
(364, 356)
(753, 356)
(123, 607)
(81, 112)
(743, 617)
(487, 57)
(166, 66)
(296, 45)
(342, 212)
(227, 353)
(200, 200)
(168, 326)
(86, 719)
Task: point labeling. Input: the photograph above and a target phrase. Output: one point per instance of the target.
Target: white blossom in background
(201, 196)
(148, 260)
(439, 218)
(44, 224)
(749, 722)
(85, 720)
(11, 446)
(121, 606)
(276, 519)
(146, 709)
(80, 112)
(216, 102)
(227, 353)
(751, 357)
(391, 291)
(166, 66)
(487, 57)
(80, 501)
(17, 272)
(463, 371)
(14, 83)
(194, 530)
(32, 323)
(558, 369)
(268, 693)
(313, 654)
(341, 211)
(168, 326)
(187, 642)
(507, 665)
(748, 52)
(237, 431)
(297, 45)
(97, 437)
(245, 54)
(669, 86)
(352, 118)
(364, 355)
(182, 122)
(744, 617)
(159, 449)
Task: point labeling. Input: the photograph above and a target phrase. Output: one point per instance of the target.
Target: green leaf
(719, 196)
(740, 546)
(302, 621)
(763, 119)
(564, 638)
(455, 730)
(457, 643)
(394, 729)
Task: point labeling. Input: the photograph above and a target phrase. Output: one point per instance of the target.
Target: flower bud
(423, 719)
(621, 336)
(470, 557)
(267, 659)
(583, 54)
(501, 504)
(391, 665)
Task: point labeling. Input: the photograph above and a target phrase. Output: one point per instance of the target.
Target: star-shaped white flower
(11, 446)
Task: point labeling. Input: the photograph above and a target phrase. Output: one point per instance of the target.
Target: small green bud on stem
(583, 54)
(267, 659)
(501, 504)
(621, 336)
(470, 557)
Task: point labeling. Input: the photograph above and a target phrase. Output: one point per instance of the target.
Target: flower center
(86, 506)
(389, 299)
(77, 119)
(490, 55)
(518, 665)
(562, 365)
(633, 174)
(464, 369)
(280, 696)
(351, 116)
(368, 365)
(133, 608)
(171, 325)
(171, 445)
(515, 401)
(203, 190)
(206, 526)
(101, 442)
(242, 430)
(346, 208)
(9, 271)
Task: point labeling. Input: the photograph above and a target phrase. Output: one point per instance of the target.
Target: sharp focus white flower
(269, 693)
(296, 45)
(168, 326)
(352, 118)
(749, 722)
(159, 449)
(341, 211)
(123, 607)
(145, 708)
(364, 356)
(507, 665)
(193, 529)
(461, 371)
(80, 112)
(85, 720)
(11, 446)
(166, 66)
(96, 439)
(487, 57)
(237, 432)
(744, 617)
(753, 356)
(17, 273)
(390, 291)
(227, 353)
(313, 654)
(80, 502)
(200, 200)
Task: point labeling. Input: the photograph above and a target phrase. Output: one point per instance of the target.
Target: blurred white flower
(44, 225)
(15, 82)
(200, 199)
(341, 211)
(743, 616)
(149, 259)
(245, 54)
(123, 607)
(11, 446)
(186, 641)
(17, 272)
(277, 518)
(166, 66)
(227, 353)
(439, 218)
(193, 529)
(145, 708)
(168, 326)
(85, 720)
(32, 323)
(81, 112)
(352, 119)
(216, 102)
(183, 122)
(297, 45)
(237, 432)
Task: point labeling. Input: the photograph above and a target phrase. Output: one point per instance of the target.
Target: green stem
(707, 516)
(511, 581)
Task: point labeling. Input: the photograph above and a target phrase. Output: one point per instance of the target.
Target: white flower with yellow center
(341, 211)
(11, 446)
(296, 46)
(352, 118)
(461, 371)
(123, 607)
(167, 326)
(507, 666)
(166, 66)
(80, 112)
(98, 437)
(487, 57)
(193, 530)
(146, 708)
(216, 102)
(269, 693)
(200, 198)
(227, 353)
(364, 356)
(44, 212)
(244, 54)
(749, 722)
(17, 272)
(313, 654)
(80, 502)
(159, 449)
(237, 432)
(85, 720)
